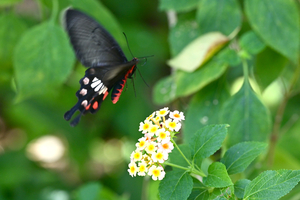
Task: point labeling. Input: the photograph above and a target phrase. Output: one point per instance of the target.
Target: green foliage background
(39, 78)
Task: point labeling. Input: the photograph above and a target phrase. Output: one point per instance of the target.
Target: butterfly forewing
(93, 45)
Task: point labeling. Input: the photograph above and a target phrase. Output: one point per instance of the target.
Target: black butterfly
(108, 67)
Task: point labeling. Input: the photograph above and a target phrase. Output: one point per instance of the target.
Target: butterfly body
(108, 69)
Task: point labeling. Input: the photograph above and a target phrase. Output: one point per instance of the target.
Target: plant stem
(54, 10)
(180, 152)
(177, 166)
(278, 118)
(194, 171)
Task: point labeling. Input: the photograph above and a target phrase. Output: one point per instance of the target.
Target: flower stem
(193, 171)
(177, 166)
(200, 173)
(180, 152)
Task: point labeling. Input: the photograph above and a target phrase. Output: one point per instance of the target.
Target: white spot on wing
(95, 79)
(98, 87)
(103, 90)
(84, 103)
(95, 84)
(83, 92)
(85, 81)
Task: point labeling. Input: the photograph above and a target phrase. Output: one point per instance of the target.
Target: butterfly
(108, 67)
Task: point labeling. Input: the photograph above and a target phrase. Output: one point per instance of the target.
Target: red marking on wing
(118, 94)
(88, 107)
(95, 105)
(119, 91)
(105, 95)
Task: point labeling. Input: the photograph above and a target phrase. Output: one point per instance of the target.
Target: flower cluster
(154, 147)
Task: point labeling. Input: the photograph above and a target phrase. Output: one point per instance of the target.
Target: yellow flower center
(172, 124)
(142, 168)
(153, 129)
(137, 155)
(159, 156)
(176, 115)
(156, 172)
(162, 135)
(146, 126)
(132, 169)
(165, 146)
(142, 143)
(151, 147)
(162, 112)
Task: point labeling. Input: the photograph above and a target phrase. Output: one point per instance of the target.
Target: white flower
(141, 144)
(151, 116)
(159, 156)
(163, 112)
(151, 147)
(144, 126)
(162, 134)
(177, 116)
(142, 170)
(136, 155)
(166, 146)
(152, 130)
(156, 172)
(132, 169)
(173, 125)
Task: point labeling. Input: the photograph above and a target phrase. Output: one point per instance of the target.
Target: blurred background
(41, 156)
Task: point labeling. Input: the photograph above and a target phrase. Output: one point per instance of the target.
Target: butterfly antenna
(128, 45)
(142, 77)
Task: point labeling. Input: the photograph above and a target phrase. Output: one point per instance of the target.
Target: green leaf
(277, 23)
(199, 191)
(216, 15)
(222, 194)
(179, 5)
(188, 83)
(43, 58)
(198, 51)
(11, 30)
(176, 158)
(204, 108)
(183, 33)
(208, 140)
(229, 56)
(238, 157)
(89, 191)
(239, 187)
(217, 176)
(272, 184)
(9, 2)
(268, 66)
(164, 90)
(251, 43)
(199, 194)
(103, 15)
(176, 185)
(248, 118)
